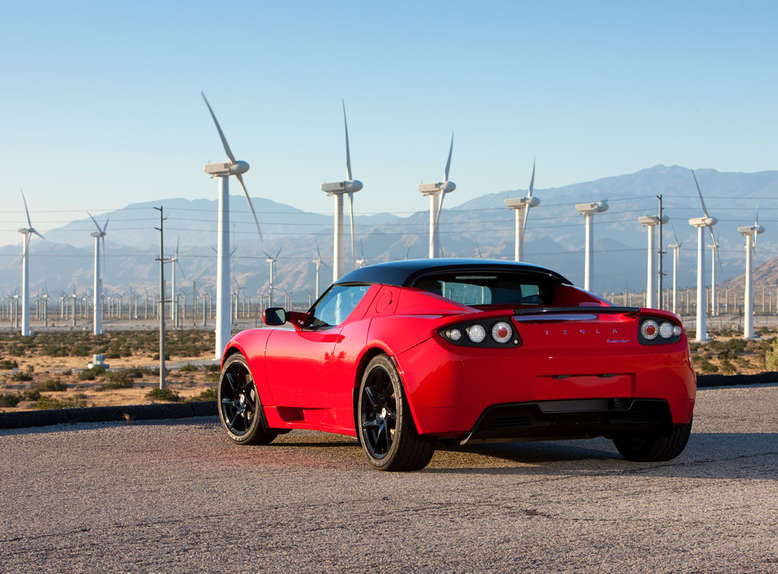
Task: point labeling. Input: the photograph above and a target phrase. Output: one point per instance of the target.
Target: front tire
(654, 448)
(240, 410)
(384, 423)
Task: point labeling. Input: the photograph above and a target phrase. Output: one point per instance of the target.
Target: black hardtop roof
(403, 273)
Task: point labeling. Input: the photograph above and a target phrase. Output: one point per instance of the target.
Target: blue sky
(101, 102)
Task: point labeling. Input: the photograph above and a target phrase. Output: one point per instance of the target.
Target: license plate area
(588, 386)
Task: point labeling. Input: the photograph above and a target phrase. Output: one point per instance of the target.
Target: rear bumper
(450, 389)
(577, 418)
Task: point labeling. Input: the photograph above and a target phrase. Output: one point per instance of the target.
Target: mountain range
(480, 227)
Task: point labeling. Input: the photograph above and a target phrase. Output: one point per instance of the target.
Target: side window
(337, 304)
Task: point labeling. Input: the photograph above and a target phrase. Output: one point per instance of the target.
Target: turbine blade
(26, 211)
(448, 161)
(278, 253)
(351, 218)
(437, 214)
(531, 181)
(251, 205)
(105, 227)
(318, 253)
(178, 241)
(699, 192)
(94, 221)
(348, 148)
(219, 129)
(36, 233)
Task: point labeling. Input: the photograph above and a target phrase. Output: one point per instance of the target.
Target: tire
(240, 409)
(384, 423)
(654, 448)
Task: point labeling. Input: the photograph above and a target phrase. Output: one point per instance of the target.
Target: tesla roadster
(412, 354)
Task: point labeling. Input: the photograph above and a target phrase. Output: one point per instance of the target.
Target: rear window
(490, 288)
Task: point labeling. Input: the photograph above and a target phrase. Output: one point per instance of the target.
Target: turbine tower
(97, 280)
(174, 311)
(223, 170)
(588, 210)
(437, 192)
(714, 262)
(317, 263)
(750, 232)
(336, 189)
(701, 223)
(521, 207)
(676, 246)
(649, 222)
(27, 233)
(271, 260)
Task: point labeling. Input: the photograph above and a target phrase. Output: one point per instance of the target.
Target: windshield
(475, 289)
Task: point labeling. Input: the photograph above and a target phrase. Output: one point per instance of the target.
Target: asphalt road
(176, 496)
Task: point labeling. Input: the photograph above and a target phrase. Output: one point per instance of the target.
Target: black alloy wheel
(378, 413)
(240, 410)
(385, 426)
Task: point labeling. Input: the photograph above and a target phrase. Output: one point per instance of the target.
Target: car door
(299, 363)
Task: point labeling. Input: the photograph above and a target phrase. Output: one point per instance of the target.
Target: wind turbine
(317, 263)
(271, 260)
(359, 263)
(649, 222)
(350, 186)
(588, 210)
(715, 261)
(174, 261)
(437, 192)
(700, 223)
(676, 246)
(97, 285)
(223, 170)
(27, 233)
(750, 232)
(521, 207)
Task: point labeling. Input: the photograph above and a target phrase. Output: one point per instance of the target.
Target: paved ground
(176, 496)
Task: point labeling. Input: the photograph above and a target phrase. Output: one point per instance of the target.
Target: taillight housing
(497, 333)
(658, 331)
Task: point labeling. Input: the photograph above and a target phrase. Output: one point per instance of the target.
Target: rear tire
(384, 423)
(240, 410)
(654, 448)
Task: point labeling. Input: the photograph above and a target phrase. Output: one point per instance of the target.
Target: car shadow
(708, 455)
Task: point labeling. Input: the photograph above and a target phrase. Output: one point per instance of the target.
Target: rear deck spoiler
(590, 310)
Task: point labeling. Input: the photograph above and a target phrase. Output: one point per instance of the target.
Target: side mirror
(274, 316)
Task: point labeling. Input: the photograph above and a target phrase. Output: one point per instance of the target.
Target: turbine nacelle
(349, 186)
(521, 202)
(705, 221)
(652, 220)
(437, 187)
(591, 207)
(226, 168)
(751, 229)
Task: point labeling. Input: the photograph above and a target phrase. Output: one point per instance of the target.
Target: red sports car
(410, 354)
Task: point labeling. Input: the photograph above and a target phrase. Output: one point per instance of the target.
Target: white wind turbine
(174, 311)
(350, 186)
(223, 170)
(437, 192)
(521, 207)
(750, 232)
(715, 262)
(271, 260)
(675, 246)
(97, 280)
(588, 210)
(649, 222)
(700, 223)
(317, 264)
(27, 232)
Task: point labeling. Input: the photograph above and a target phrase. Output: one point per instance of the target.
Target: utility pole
(162, 261)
